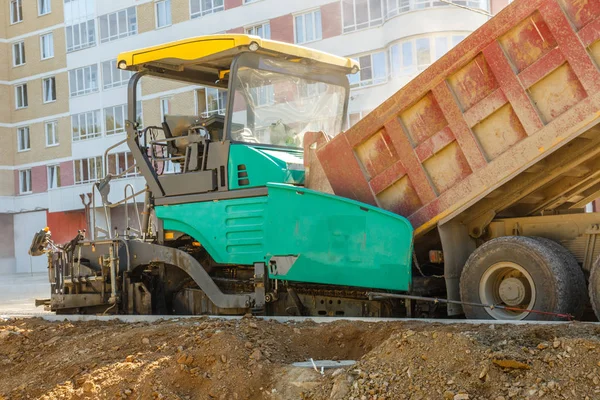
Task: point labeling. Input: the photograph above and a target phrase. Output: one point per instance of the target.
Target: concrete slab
(19, 291)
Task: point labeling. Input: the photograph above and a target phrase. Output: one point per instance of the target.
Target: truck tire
(522, 272)
(594, 287)
(580, 300)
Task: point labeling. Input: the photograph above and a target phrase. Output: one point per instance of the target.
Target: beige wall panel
(8, 149)
(38, 109)
(34, 64)
(183, 104)
(7, 93)
(180, 11)
(7, 183)
(151, 85)
(4, 19)
(31, 21)
(5, 61)
(39, 151)
(145, 17)
(151, 112)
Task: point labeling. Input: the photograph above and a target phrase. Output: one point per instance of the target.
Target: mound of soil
(249, 358)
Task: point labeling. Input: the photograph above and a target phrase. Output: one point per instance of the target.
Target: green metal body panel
(263, 165)
(336, 240)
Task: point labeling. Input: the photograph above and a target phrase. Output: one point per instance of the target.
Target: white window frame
(263, 95)
(113, 111)
(164, 111)
(25, 177)
(21, 90)
(221, 101)
(53, 176)
(371, 22)
(360, 83)
(15, 19)
(166, 6)
(88, 119)
(202, 12)
(250, 1)
(18, 50)
(252, 29)
(317, 26)
(112, 76)
(83, 72)
(47, 46)
(114, 157)
(41, 3)
(92, 177)
(23, 139)
(52, 134)
(129, 30)
(84, 29)
(45, 97)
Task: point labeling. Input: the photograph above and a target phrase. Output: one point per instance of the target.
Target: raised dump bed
(503, 126)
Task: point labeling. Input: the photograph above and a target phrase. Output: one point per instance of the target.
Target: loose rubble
(249, 358)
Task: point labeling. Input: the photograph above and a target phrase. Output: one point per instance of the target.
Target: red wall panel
(331, 17)
(282, 28)
(64, 225)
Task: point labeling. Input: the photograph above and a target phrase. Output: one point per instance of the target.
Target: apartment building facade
(64, 99)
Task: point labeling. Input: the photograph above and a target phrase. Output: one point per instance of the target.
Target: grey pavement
(19, 291)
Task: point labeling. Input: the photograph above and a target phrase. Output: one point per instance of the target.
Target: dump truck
(468, 187)
(493, 147)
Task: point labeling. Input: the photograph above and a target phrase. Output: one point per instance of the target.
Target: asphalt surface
(19, 291)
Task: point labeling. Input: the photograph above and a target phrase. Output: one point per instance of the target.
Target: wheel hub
(513, 291)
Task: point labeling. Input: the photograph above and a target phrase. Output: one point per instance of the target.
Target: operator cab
(275, 94)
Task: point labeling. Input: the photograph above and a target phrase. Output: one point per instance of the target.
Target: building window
(21, 96)
(199, 8)
(25, 181)
(361, 14)
(16, 11)
(44, 7)
(86, 125)
(308, 27)
(51, 133)
(47, 46)
(18, 53)
(114, 119)
(23, 142)
(53, 176)
(163, 13)
(263, 95)
(249, 1)
(165, 107)
(49, 89)
(395, 7)
(261, 30)
(373, 70)
(456, 39)
(113, 76)
(88, 170)
(215, 101)
(81, 35)
(118, 25)
(423, 53)
(83, 80)
(119, 163)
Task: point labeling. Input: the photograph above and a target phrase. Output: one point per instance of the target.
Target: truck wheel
(594, 287)
(580, 299)
(520, 272)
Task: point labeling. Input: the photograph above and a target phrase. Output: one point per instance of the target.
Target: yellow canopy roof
(214, 53)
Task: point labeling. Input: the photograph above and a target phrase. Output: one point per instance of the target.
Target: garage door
(25, 225)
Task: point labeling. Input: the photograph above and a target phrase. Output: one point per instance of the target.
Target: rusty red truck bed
(477, 133)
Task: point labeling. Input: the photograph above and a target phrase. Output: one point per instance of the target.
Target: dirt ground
(251, 359)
